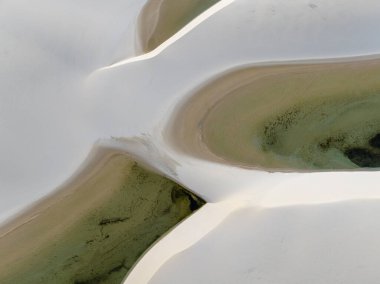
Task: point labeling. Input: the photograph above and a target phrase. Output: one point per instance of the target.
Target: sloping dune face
(160, 19)
(295, 117)
(96, 230)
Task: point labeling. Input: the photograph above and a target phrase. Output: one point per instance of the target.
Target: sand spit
(94, 230)
(258, 117)
(160, 19)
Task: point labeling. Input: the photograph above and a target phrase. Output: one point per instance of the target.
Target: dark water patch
(113, 220)
(375, 141)
(363, 157)
(178, 194)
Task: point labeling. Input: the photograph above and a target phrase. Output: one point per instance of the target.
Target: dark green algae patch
(105, 242)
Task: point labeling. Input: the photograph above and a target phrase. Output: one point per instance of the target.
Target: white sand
(329, 244)
(57, 99)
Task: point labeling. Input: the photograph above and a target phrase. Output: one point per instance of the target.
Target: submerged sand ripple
(297, 117)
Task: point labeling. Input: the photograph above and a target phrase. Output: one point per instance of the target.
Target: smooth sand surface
(325, 244)
(160, 19)
(299, 116)
(95, 229)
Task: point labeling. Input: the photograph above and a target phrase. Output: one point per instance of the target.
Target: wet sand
(160, 19)
(308, 116)
(95, 228)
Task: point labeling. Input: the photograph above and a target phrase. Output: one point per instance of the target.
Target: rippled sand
(160, 19)
(287, 117)
(94, 230)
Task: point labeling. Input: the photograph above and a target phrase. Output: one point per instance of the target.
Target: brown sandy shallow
(160, 19)
(94, 228)
(299, 116)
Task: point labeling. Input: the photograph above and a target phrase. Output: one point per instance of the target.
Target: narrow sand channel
(95, 229)
(160, 19)
(307, 116)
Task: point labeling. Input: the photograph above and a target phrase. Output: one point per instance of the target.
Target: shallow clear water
(302, 117)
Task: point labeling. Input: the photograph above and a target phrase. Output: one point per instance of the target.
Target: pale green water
(105, 241)
(321, 134)
(304, 117)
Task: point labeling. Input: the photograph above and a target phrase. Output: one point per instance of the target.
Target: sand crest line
(182, 32)
(179, 239)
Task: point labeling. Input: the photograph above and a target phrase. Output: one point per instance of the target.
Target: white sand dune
(331, 243)
(69, 79)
